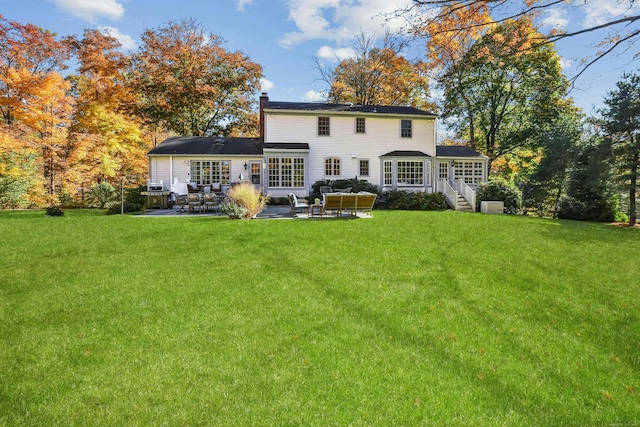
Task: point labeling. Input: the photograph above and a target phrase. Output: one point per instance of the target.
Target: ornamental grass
(246, 196)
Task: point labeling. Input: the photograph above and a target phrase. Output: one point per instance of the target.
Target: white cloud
(266, 85)
(89, 10)
(313, 96)
(340, 20)
(556, 18)
(335, 55)
(600, 11)
(127, 42)
(242, 4)
(566, 63)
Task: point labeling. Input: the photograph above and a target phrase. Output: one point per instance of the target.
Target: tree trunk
(632, 190)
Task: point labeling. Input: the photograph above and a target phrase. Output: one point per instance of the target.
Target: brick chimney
(264, 98)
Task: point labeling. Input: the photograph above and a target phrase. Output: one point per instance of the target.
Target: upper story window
(405, 128)
(324, 126)
(332, 166)
(360, 125)
(364, 167)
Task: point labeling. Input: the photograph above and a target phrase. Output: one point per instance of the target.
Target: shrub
(134, 195)
(102, 194)
(233, 210)
(117, 208)
(500, 190)
(66, 200)
(54, 211)
(410, 200)
(246, 196)
(597, 210)
(356, 185)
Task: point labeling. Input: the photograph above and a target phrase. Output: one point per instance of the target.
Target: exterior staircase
(462, 204)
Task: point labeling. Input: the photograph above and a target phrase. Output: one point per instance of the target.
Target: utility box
(491, 207)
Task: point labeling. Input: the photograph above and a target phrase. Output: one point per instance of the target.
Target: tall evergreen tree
(621, 119)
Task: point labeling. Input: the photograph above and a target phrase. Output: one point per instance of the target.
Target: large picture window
(410, 172)
(286, 172)
(205, 172)
(471, 172)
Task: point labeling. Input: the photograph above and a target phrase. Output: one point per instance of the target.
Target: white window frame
(406, 129)
(205, 172)
(332, 166)
(364, 165)
(324, 129)
(285, 172)
(471, 171)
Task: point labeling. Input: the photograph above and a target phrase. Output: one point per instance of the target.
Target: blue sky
(284, 36)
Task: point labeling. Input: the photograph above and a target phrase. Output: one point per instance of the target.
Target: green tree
(589, 196)
(543, 189)
(189, 84)
(621, 119)
(505, 91)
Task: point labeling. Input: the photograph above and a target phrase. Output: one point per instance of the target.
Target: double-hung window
(332, 166)
(324, 126)
(405, 128)
(360, 125)
(364, 167)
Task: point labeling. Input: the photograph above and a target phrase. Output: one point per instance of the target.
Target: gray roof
(456, 151)
(346, 108)
(208, 145)
(407, 153)
(286, 145)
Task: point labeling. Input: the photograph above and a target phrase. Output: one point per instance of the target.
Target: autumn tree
(378, 76)
(106, 140)
(34, 105)
(621, 119)
(504, 91)
(186, 82)
(617, 34)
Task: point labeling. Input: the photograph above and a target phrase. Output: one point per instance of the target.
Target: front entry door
(443, 174)
(255, 171)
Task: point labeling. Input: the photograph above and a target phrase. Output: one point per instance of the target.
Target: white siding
(167, 168)
(382, 136)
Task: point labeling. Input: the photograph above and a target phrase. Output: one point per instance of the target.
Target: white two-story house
(302, 143)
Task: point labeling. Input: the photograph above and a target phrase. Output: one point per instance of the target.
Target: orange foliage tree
(106, 141)
(34, 104)
(378, 76)
(188, 83)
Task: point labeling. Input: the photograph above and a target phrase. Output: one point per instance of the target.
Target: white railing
(449, 193)
(468, 193)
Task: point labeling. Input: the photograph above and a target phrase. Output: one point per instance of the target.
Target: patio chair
(194, 202)
(182, 201)
(342, 190)
(297, 204)
(210, 202)
(325, 189)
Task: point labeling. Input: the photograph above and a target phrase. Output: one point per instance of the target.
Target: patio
(271, 212)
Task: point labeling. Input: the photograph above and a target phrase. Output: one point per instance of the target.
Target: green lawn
(409, 318)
